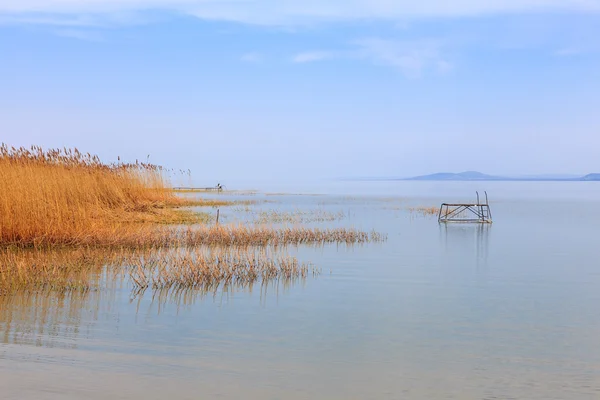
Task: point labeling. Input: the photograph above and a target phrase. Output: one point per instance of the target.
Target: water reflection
(459, 240)
(48, 319)
(51, 298)
(185, 298)
(57, 319)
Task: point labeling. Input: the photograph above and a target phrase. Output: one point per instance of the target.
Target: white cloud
(312, 56)
(86, 35)
(412, 58)
(569, 51)
(73, 19)
(286, 12)
(252, 58)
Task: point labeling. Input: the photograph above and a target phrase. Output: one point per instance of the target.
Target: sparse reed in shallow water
(240, 235)
(196, 202)
(298, 216)
(140, 237)
(86, 269)
(425, 211)
(209, 268)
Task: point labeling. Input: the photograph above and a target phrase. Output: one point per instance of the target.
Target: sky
(285, 90)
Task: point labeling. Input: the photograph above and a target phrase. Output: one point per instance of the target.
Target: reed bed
(58, 196)
(66, 217)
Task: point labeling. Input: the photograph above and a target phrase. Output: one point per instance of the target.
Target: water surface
(507, 311)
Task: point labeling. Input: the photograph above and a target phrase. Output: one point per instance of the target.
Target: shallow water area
(468, 311)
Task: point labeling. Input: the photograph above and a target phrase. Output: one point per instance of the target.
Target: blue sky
(307, 89)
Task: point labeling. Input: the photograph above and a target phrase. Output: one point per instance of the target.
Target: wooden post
(217, 216)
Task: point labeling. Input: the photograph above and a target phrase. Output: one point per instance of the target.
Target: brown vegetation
(66, 197)
(65, 217)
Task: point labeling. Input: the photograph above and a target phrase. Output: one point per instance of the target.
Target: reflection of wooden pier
(466, 212)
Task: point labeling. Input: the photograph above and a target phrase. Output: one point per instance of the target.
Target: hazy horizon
(307, 90)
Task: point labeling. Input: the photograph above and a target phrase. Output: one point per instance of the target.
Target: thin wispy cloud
(81, 19)
(312, 56)
(568, 51)
(79, 34)
(252, 58)
(576, 51)
(287, 12)
(412, 58)
(51, 20)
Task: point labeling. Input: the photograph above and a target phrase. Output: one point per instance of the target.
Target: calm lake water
(507, 311)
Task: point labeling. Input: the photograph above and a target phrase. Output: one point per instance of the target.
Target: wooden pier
(466, 212)
(218, 188)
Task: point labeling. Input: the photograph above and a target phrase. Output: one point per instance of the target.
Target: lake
(469, 311)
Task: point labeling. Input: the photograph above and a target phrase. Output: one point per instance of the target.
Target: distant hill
(462, 176)
(591, 177)
(478, 176)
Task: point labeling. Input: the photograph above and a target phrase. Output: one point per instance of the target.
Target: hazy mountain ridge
(478, 176)
(591, 177)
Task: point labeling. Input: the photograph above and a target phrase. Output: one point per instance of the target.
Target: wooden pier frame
(466, 212)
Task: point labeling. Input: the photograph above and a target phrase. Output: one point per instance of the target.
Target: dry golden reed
(68, 197)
